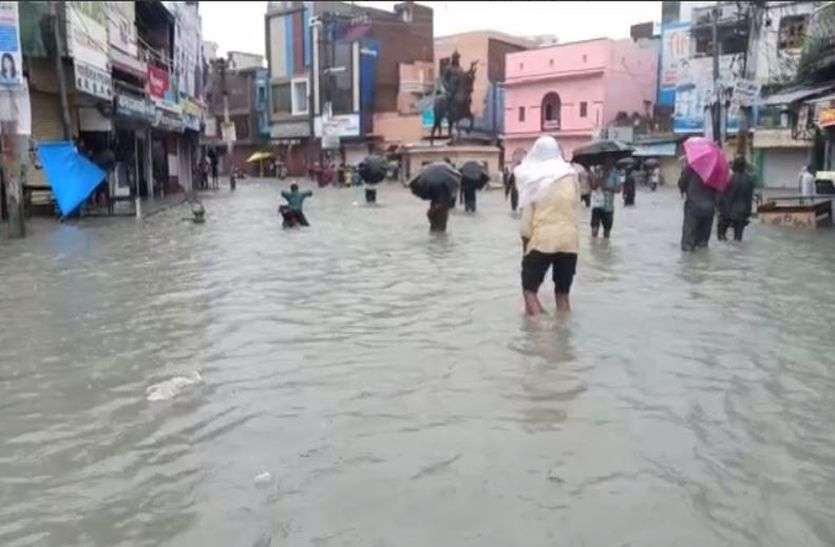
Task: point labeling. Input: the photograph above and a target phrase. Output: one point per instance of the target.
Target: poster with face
(10, 56)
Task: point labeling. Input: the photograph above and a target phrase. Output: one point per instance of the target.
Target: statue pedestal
(416, 156)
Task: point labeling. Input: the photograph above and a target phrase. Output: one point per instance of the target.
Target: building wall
(398, 128)
(608, 76)
(773, 64)
(400, 42)
(631, 79)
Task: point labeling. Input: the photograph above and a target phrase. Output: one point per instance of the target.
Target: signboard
(158, 82)
(187, 53)
(227, 130)
(675, 58)
(87, 44)
(330, 142)
(369, 56)
(341, 125)
(167, 120)
(210, 129)
(826, 117)
(121, 27)
(10, 58)
(131, 107)
(695, 93)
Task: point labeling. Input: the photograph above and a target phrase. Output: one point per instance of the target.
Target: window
(551, 105)
(281, 99)
(792, 32)
(300, 96)
(521, 113)
(262, 95)
(584, 109)
(339, 90)
(241, 127)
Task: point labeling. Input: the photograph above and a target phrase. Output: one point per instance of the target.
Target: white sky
(239, 26)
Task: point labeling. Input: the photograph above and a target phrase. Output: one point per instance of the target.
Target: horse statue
(454, 104)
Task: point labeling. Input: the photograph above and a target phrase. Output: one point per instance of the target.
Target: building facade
(134, 89)
(246, 91)
(335, 77)
(573, 91)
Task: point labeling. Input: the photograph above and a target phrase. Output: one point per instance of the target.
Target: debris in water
(264, 479)
(169, 389)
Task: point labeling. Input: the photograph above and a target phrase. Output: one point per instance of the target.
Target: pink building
(573, 91)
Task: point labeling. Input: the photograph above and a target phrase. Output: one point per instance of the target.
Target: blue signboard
(369, 57)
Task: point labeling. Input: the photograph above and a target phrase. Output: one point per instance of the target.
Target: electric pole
(14, 173)
(59, 71)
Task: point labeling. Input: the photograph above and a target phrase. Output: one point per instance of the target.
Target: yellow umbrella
(258, 156)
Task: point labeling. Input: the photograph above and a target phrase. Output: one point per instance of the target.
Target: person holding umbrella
(549, 197)
(473, 177)
(372, 170)
(438, 184)
(704, 176)
(604, 188)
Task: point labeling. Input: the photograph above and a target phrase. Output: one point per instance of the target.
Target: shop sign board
(88, 46)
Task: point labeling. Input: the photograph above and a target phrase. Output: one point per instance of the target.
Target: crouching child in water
(292, 213)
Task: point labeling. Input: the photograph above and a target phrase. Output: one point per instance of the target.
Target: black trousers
(696, 228)
(371, 195)
(437, 215)
(724, 223)
(601, 216)
(469, 201)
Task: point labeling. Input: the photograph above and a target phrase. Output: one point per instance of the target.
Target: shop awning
(258, 156)
(72, 176)
(796, 94)
(656, 149)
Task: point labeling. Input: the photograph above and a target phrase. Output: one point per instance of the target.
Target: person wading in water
(549, 197)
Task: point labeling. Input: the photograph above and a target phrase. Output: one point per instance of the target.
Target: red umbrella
(708, 160)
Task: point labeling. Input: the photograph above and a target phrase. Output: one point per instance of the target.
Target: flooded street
(364, 383)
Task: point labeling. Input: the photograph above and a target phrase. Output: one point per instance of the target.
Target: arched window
(550, 112)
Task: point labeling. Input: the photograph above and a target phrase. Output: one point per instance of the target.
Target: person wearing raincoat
(735, 204)
(550, 199)
(699, 207)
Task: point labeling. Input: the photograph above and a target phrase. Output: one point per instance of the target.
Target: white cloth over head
(542, 166)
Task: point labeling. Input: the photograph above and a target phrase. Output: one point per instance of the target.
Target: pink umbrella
(707, 159)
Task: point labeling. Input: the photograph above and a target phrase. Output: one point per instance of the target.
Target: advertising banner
(121, 27)
(158, 83)
(369, 55)
(187, 41)
(87, 43)
(675, 55)
(695, 93)
(10, 57)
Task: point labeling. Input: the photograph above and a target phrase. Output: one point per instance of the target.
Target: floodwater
(364, 383)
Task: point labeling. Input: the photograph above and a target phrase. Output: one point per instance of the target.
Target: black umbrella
(436, 181)
(473, 173)
(373, 169)
(623, 163)
(597, 152)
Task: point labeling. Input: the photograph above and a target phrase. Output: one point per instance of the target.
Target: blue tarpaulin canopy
(72, 176)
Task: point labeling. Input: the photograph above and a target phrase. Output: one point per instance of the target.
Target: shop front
(166, 132)
(132, 120)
